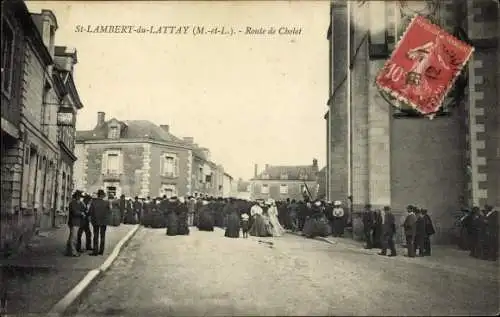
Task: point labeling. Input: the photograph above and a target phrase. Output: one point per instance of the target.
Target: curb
(62, 305)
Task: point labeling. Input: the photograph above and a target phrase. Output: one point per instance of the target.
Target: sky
(250, 99)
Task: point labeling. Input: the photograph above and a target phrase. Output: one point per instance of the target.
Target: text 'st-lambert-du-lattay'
(189, 30)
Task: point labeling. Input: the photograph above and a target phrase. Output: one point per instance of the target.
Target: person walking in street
(182, 217)
(85, 227)
(477, 227)
(76, 214)
(338, 219)
(293, 214)
(368, 223)
(172, 217)
(245, 224)
(205, 220)
(377, 229)
(410, 228)
(123, 208)
(491, 233)
(191, 210)
(233, 220)
(420, 232)
(429, 231)
(99, 217)
(388, 231)
(138, 210)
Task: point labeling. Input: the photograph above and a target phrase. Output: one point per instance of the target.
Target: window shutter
(176, 170)
(120, 162)
(162, 165)
(104, 163)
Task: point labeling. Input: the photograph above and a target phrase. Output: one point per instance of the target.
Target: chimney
(101, 117)
(267, 167)
(165, 127)
(255, 170)
(315, 163)
(189, 140)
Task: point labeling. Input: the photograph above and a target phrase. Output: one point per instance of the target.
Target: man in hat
(99, 215)
(429, 231)
(76, 213)
(491, 217)
(338, 219)
(388, 231)
(410, 228)
(191, 210)
(138, 209)
(85, 226)
(368, 223)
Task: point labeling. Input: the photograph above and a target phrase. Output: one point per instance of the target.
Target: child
(244, 224)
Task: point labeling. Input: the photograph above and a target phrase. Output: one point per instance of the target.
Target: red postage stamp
(424, 66)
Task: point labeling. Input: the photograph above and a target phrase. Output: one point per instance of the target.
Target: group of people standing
(379, 228)
(90, 216)
(481, 233)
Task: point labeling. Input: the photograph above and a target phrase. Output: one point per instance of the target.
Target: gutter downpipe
(349, 113)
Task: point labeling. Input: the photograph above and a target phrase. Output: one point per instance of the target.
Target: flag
(424, 66)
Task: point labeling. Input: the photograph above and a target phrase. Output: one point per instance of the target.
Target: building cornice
(125, 141)
(67, 151)
(36, 131)
(284, 180)
(22, 13)
(74, 92)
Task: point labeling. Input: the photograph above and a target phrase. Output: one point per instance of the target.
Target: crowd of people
(266, 218)
(480, 233)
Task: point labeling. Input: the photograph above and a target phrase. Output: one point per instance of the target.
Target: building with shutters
(37, 84)
(282, 182)
(139, 158)
(382, 156)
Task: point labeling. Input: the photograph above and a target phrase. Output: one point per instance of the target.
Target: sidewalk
(444, 257)
(40, 276)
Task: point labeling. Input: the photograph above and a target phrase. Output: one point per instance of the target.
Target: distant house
(282, 182)
(140, 158)
(243, 189)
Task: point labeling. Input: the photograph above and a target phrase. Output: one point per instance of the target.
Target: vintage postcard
(250, 158)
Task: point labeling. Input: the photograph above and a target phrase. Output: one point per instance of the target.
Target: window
(7, 56)
(265, 176)
(264, 189)
(113, 163)
(303, 189)
(284, 175)
(200, 174)
(283, 189)
(168, 190)
(114, 133)
(169, 165)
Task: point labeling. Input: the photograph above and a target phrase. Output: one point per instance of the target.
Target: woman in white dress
(276, 228)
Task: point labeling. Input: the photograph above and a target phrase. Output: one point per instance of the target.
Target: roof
(293, 172)
(133, 129)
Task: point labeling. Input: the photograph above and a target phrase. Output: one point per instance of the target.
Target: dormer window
(114, 132)
(284, 175)
(302, 175)
(265, 176)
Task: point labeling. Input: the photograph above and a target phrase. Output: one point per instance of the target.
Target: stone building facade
(139, 158)
(32, 96)
(282, 182)
(377, 156)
